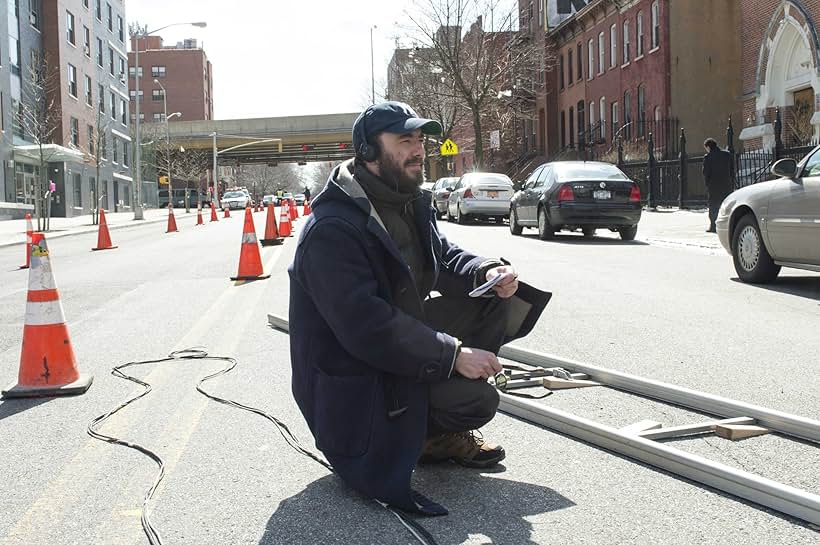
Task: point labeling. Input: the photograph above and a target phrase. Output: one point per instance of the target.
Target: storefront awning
(53, 153)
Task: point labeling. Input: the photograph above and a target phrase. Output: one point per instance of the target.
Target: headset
(366, 151)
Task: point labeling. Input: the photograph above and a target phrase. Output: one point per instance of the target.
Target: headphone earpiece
(366, 151)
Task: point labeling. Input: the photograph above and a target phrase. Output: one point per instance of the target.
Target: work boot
(466, 448)
(711, 230)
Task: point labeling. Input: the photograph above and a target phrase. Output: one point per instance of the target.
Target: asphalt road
(670, 313)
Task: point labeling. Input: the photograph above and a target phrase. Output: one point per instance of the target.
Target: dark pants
(714, 205)
(461, 404)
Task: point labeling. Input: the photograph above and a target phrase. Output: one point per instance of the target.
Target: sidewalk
(675, 227)
(14, 231)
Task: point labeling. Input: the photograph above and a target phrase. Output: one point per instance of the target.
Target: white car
(480, 195)
(236, 199)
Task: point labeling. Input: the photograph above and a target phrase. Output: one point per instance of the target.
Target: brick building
(184, 71)
(779, 62)
(80, 47)
(627, 68)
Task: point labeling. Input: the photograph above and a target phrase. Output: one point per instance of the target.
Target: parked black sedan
(570, 195)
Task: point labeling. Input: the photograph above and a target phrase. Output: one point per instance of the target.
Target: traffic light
(307, 147)
(163, 180)
(343, 145)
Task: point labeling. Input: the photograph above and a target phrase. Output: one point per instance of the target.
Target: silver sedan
(774, 224)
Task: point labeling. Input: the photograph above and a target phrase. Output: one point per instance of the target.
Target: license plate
(492, 194)
(602, 194)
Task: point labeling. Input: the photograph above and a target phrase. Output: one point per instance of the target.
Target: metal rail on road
(749, 486)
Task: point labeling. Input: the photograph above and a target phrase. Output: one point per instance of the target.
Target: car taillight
(635, 193)
(468, 193)
(566, 194)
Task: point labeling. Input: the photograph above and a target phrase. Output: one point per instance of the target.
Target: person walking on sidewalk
(385, 375)
(306, 193)
(717, 174)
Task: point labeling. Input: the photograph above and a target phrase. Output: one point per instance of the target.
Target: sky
(280, 57)
(283, 57)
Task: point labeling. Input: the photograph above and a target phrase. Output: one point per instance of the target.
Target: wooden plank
(693, 429)
(555, 383)
(735, 432)
(643, 425)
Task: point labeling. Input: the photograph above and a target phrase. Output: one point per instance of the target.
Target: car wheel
(589, 232)
(628, 233)
(752, 261)
(461, 219)
(449, 215)
(545, 230)
(514, 227)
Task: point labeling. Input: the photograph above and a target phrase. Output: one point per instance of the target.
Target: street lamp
(138, 215)
(372, 72)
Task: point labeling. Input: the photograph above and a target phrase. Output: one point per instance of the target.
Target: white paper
(488, 285)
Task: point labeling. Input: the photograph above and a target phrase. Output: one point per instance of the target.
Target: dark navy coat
(361, 354)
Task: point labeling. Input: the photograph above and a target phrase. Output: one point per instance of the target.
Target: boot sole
(481, 464)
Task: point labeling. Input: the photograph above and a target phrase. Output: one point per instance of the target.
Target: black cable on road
(418, 532)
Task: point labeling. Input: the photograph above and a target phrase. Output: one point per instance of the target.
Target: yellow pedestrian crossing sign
(449, 148)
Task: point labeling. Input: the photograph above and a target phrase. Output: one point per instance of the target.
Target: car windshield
(588, 171)
(233, 194)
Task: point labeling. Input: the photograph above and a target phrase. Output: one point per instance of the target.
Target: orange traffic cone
(227, 210)
(285, 228)
(47, 364)
(199, 216)
(213, 213)
(29, 232)
(250, 262)
(172, 221)
(271, 231)
(294, 212)
(306, 210)
(103, 237)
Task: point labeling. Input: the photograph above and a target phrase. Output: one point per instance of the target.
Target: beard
(394, 173)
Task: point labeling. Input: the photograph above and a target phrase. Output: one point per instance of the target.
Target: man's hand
(476, 363)
(507, 286)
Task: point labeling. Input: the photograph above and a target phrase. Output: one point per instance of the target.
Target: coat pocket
(343, 415)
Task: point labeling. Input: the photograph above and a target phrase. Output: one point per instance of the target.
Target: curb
(93, 229)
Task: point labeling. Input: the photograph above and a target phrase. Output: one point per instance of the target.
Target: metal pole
(215, 175)
(138, 213)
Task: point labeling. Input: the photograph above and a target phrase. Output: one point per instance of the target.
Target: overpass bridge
(272, 140)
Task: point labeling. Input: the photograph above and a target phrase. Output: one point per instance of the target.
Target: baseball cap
(391, 116)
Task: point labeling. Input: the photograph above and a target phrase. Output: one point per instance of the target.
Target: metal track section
(749, 486)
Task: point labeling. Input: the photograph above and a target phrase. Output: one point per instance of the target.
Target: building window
(641, 110)
(98, 10)
(125, 158)
(571, 127)
(120, 28)
(592, 127)
(613, 45)
(601, 52)
(113, 106)
(87, 41)
(581, 123)
(116, 147)
(85, 4)
(591, 55)
(103, 146)
(627, 115)
(77, 184)
(74, 123)
(72, 80)
(111, 60)
(69, 28)
(123, 111)
(656, 24)
(657, 113)
(110, 19)
(101, 97)
(122, 69)
(570, 77)
(158, 117)
(91, 139)
(157, 94)
(99, 53)
(2, 112)
(560, 71)
(133, 94)
(563, 128)
(132, 71)
(580, 57)
(613, 118)
(35, 13)
(88, 96)
(639, 39)
(602, 113)
(627, 50)
(158, 71)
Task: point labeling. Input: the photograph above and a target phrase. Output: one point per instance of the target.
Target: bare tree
(40, 118)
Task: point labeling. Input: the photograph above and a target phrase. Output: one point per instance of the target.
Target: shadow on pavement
(569, 238)
(11, 407)
(327, 511)
(802, 286)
